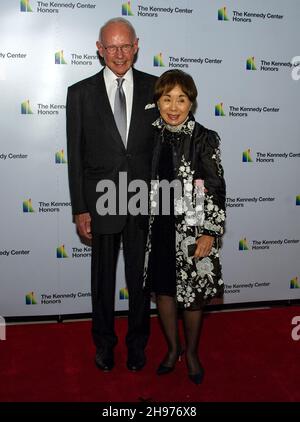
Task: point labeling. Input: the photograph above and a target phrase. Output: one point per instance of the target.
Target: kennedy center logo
(158, 60)
(59, 57)
(27, 206)
(25, 107)
(60, 157)
(25, 6)
(243, 245)
(222, 14)
(294, 283)
(219, 110)
(250, 63)
(30, 299)
(126, 9)
(123, 294)
(61, 252)
(246, 158)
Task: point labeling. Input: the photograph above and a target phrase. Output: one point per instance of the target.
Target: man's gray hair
(117, 20)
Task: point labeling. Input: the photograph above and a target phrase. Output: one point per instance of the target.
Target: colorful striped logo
(126, 9)
(30, 299)
(123, 294)
(219, 110)
(294, 283)
(25, 107)
(25, 6)
(60, 157)
(27, 206)
(246, 158)
(59, 57)
(222, 14)
(158, 61)
(250, 63)
(243, 245)
(61, 252)
(298, 200)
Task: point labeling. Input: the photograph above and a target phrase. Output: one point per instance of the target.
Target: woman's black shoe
(164, 369)
(197, 378)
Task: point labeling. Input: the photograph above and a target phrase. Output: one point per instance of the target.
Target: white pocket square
(147, 106)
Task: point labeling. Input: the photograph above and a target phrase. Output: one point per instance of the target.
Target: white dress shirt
(111, 84)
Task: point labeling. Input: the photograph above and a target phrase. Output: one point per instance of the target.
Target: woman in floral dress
(182, 262)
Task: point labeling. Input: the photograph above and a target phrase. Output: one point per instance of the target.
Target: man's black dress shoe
(104, 359)
(136, 360)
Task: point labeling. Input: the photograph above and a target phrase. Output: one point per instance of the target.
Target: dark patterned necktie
(120, 110)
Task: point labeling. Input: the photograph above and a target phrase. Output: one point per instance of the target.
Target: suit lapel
(137, 108)
(102, 106)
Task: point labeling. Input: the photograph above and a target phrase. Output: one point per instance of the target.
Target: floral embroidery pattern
(214, 217)
(217, 157)
(187, 128)
(148, 106)
(191, 204)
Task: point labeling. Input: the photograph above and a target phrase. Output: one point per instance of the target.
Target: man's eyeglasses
(112, 49)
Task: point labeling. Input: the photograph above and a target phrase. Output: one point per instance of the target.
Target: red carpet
(248, 356)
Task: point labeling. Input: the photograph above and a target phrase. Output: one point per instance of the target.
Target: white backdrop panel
(47, 46)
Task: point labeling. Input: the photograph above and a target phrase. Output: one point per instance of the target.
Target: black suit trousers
(105, 251)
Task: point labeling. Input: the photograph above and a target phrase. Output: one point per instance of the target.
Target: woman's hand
(204, 245)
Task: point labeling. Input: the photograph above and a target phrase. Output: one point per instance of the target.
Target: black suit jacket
(95, 148)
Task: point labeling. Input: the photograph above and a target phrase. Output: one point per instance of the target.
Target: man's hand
(83, 225)
(204, 245)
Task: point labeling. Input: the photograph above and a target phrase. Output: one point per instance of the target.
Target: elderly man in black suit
(110, 133)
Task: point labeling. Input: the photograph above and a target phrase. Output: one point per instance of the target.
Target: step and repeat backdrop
(243, 55)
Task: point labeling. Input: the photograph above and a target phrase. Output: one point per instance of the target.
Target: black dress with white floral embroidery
(192, 157)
